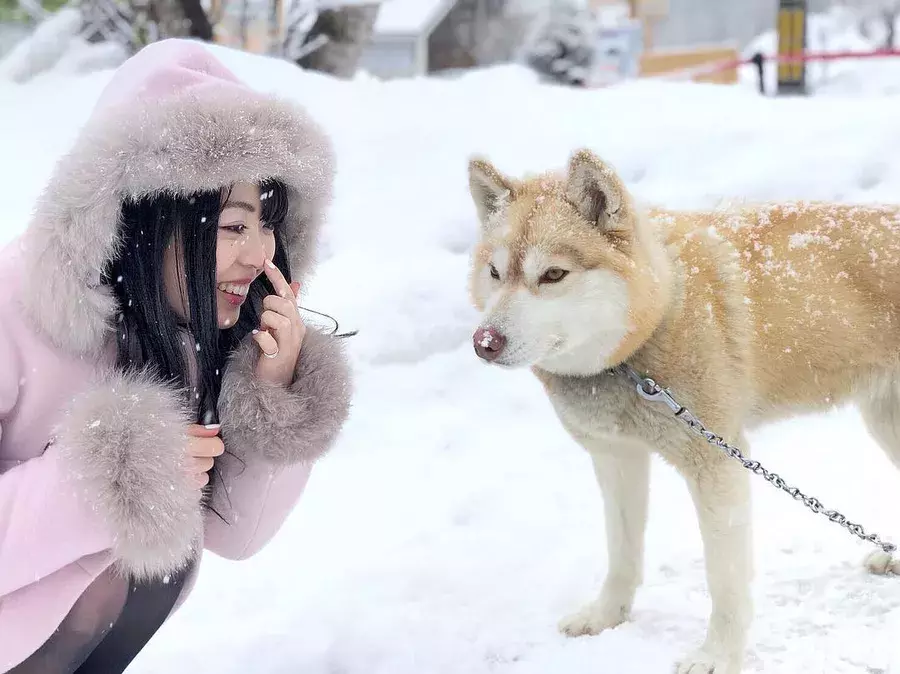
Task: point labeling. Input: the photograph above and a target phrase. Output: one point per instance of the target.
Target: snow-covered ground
(455, 522)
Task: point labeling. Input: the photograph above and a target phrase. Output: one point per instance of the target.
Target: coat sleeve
(43, 527)
(111, 479)
(273, 436)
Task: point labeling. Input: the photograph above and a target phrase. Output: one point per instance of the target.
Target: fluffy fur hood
(172, 118)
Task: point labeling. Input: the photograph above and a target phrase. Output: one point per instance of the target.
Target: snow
(455, 522)
(407, 17)
(56, 46)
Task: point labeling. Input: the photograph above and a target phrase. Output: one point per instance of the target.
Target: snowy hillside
(455, 523)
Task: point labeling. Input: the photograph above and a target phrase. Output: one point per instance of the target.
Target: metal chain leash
(650, 390)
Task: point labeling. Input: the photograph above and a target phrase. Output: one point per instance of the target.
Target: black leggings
(107, 627)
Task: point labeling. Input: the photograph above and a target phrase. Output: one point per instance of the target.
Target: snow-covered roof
(410, 17)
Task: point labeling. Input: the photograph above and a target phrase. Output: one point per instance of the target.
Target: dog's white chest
(594, 409)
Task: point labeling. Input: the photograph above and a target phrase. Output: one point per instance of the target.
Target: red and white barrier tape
(717, 67)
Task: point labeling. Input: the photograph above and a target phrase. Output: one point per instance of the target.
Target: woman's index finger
(282, 287)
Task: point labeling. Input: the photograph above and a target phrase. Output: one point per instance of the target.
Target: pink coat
(91, 460)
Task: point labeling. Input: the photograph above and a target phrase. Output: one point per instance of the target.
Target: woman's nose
(253, 251)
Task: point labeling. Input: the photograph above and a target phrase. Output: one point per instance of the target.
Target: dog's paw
(881, 563)
(702, 661)
(593, 619)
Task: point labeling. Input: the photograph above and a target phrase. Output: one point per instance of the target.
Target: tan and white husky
(746, 315)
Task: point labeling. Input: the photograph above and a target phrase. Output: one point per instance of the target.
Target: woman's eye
(237, 228)
(494, 273)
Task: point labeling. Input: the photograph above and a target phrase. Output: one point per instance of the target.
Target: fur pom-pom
(286, 425)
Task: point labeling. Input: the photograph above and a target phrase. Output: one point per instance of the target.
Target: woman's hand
(202, 448)
(281, 331)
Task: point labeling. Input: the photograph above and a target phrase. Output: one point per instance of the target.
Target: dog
(746, 314)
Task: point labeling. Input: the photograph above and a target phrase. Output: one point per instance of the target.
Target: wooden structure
(659, 62)
(255, 26)
(648, 12)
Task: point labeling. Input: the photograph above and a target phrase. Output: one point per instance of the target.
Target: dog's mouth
(521, 356)
(511, 360)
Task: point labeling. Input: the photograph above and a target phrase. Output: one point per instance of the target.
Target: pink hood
(172, 118)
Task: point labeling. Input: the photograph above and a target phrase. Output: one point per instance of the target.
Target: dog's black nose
(489, 343)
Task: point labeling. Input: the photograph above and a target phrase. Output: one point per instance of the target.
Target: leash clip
(650, 390)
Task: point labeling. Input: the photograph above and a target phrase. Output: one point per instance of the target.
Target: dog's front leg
(624, 478)
(720, 489)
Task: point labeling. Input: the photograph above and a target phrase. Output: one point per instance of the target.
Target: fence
(759, 60)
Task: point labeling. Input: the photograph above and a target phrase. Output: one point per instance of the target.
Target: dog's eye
(553, 275)
(494, 273)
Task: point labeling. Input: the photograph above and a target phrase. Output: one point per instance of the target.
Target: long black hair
(150, 334)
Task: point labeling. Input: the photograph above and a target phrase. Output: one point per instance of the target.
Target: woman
(150, 343)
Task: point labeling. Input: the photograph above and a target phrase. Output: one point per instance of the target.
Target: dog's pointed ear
(597, 192)
(489, 188)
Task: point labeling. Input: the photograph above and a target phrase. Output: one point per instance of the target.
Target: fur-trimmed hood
(172, 118)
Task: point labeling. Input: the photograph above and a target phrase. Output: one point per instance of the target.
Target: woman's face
(243, 245)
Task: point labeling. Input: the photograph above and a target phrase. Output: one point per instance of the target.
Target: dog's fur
(746, 315)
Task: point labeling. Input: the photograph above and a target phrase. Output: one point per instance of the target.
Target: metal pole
(792, 27)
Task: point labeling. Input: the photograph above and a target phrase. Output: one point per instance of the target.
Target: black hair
(150, 335)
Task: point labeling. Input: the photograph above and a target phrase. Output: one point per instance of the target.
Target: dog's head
(554, 271)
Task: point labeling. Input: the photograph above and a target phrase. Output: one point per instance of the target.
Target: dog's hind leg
(623, 473)
(720, 488)
(879, 404)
